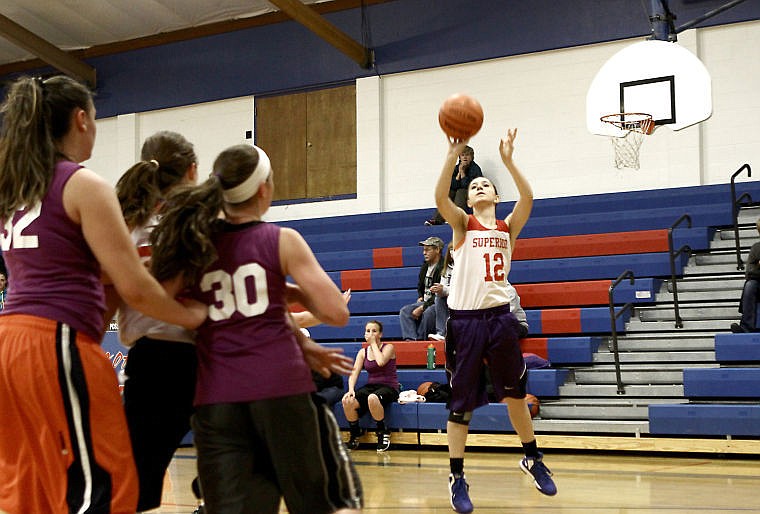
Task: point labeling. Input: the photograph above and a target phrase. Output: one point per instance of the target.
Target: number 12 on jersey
(494, 267)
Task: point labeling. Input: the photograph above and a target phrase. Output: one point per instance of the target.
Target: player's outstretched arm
(521, 212)
(455, 216)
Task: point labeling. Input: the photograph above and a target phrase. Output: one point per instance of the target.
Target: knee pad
(460, 418)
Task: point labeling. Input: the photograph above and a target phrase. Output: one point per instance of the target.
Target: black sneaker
(383, 441)
(353, 442)
(737, 328)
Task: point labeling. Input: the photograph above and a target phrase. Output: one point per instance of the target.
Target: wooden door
(281, 132)
(331, 142)
(311, 139)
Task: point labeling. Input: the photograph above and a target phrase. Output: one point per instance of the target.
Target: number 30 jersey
(246, 351)
(481, 265)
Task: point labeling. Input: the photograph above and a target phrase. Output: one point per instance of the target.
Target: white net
(627, 149)
(635, 125)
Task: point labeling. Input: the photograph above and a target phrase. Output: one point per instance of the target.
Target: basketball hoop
(635, 125)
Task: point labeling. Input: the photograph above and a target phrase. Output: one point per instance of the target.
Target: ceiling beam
(48, 52)
(326, 30)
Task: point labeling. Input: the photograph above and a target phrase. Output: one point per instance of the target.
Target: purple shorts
(476, 338)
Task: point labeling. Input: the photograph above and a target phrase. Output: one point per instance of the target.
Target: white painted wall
(400, 146)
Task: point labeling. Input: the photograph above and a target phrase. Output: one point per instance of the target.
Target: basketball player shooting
(481, 327)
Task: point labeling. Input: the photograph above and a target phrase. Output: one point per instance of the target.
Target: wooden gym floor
(409, 481)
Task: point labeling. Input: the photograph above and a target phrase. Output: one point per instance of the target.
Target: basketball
(461, 116)
(423, 388)
(533, 405)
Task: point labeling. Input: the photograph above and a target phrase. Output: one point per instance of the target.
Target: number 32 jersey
(481, 265)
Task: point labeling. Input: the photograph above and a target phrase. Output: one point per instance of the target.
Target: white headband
(249, 186)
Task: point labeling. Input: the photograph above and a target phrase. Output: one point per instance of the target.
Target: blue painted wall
(406, 35)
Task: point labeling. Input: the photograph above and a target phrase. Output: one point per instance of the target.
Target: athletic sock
(381, 425)
(531, 450)
(354, 428)
(457, 466)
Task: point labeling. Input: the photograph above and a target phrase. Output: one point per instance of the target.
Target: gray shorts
(476, 338)
(252, 454)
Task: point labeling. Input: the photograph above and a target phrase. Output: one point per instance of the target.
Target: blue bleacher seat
(705, 419)
(721, 383)
(737, 347)
(572, 350)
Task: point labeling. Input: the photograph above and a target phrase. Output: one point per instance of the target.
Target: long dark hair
(181, 242)
(166, 157)
(36, 114)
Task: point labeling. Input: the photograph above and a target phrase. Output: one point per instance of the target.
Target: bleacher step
(729, 270)
(598, 426)
(726, 295)
(603, 357)
(705, 283)
(657, 390)
(606, 412)
(594, 376)
(713, 325)
(712, 259)
(688, 312)
(666, 342)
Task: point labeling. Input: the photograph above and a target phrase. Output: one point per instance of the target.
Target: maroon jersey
(246, 351)
(385, 375)
(53, 273)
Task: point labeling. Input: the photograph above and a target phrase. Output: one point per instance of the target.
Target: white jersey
(482, 262)
(133, 324)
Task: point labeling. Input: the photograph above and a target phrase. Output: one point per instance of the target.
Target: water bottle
(431, 356)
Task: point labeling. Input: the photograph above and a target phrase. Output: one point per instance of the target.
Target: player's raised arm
(521, 212)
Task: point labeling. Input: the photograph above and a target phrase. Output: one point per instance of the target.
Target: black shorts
(483, 336)
(252, 454)
(385, 393)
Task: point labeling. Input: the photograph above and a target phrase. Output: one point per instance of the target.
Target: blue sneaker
(542, 477)
(458, 491)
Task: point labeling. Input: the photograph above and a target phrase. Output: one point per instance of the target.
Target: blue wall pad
(705, 419)
(721, 383)
(590, 268)
(381, 302)
(737, 347)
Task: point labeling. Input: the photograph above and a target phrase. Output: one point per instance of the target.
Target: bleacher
(564, 263)
(724, 401)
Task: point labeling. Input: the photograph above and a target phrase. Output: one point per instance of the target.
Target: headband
(250, 185)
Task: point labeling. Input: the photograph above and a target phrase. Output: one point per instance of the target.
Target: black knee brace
(462, 418)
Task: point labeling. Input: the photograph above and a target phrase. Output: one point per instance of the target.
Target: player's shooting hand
(507, 145)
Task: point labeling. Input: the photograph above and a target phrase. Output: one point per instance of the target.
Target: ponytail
(166, 158)
(182, 240)
(36, 114)
(138, 193)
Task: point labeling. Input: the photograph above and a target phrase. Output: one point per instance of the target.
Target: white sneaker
(436, 337)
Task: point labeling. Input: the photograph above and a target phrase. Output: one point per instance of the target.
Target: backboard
(655, 77)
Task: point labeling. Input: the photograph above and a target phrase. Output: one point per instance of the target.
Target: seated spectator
(418, 318)
(381, 390)
(748, 302)
(465, 170)
(441, 291)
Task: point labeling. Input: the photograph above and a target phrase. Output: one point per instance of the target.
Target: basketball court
(415, 481)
